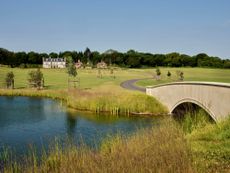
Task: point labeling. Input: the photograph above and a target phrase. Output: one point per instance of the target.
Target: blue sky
(157, 26)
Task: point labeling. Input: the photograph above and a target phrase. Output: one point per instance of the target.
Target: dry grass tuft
(162, 149)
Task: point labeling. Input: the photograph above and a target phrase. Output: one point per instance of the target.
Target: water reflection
(38, 121)
(21, 110)
(71, 123)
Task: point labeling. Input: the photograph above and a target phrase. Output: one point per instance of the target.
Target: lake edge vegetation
(166, 148)
(113, 102)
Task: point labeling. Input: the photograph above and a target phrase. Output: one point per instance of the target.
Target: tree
(72, 70)
(53, 55)
(99, 74)
(181, 75)
(226, 64)
(96, 57)
(36, 79)
(158, 73)
(9, 80)
(21, 59)
(169, 74)
(34, 58)
(132, 59)
(88, 55)
(112, 73)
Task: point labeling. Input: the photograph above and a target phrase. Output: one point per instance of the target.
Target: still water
(30, 121)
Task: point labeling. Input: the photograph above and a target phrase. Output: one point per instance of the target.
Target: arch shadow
(195, 102)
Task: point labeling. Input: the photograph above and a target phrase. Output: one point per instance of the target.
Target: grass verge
(210, 142)
(109, 99)
(211, 147)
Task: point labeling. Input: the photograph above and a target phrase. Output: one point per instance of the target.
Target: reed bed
(112, 101)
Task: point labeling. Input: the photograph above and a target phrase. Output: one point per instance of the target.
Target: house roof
(54, 59)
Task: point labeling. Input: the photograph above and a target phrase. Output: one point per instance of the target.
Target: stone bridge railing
(212, 97)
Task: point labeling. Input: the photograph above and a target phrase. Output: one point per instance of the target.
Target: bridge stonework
(212, 97)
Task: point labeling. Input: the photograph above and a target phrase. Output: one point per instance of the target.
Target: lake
(27, 122)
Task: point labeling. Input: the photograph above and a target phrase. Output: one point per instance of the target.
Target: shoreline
(65, 95)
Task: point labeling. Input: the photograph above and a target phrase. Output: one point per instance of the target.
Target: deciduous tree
(9, 80)
(36, 79)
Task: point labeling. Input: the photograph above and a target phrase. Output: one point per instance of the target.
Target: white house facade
(54, 63)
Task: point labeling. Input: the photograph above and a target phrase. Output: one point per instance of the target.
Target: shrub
(36, 79)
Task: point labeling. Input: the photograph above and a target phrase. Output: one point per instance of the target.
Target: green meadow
(94, 94)
(190, 74)
(58, 78)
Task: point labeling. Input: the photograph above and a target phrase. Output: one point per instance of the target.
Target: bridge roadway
(212, 97)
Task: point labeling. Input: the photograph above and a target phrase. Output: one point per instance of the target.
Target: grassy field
(201, 147)
(105, 94)
(94, 94)
(57, 78)
(190, 74)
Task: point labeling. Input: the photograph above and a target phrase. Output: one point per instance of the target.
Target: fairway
(190, 74)
(58, 78)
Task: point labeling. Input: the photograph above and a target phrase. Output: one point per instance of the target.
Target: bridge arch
(193, 101)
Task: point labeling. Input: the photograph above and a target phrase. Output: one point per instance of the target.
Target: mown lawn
(190, 74)
(58, 78)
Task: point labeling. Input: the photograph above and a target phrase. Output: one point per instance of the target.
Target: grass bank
(209, 141)
(171, 147)
(162, 149)
(211, 147)
(108, 99)
(115, 101)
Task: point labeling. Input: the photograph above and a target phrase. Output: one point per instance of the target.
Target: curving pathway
(130, 85)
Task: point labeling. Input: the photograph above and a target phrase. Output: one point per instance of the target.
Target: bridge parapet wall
(213, 97)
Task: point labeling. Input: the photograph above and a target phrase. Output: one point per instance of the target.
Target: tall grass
(162, 149)
(210, 141)
(211, 147)
(114, 101)
(194, 120)
(193, 146)
(111, 100)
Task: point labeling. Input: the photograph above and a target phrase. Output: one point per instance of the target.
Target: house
(78, 64)
(101, 64)
(54, 63)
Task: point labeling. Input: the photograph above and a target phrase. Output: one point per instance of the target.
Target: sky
(155, 26)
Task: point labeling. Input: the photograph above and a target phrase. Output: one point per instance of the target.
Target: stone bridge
(214, 98)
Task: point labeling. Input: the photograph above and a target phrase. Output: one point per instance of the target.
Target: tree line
(130, 59)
